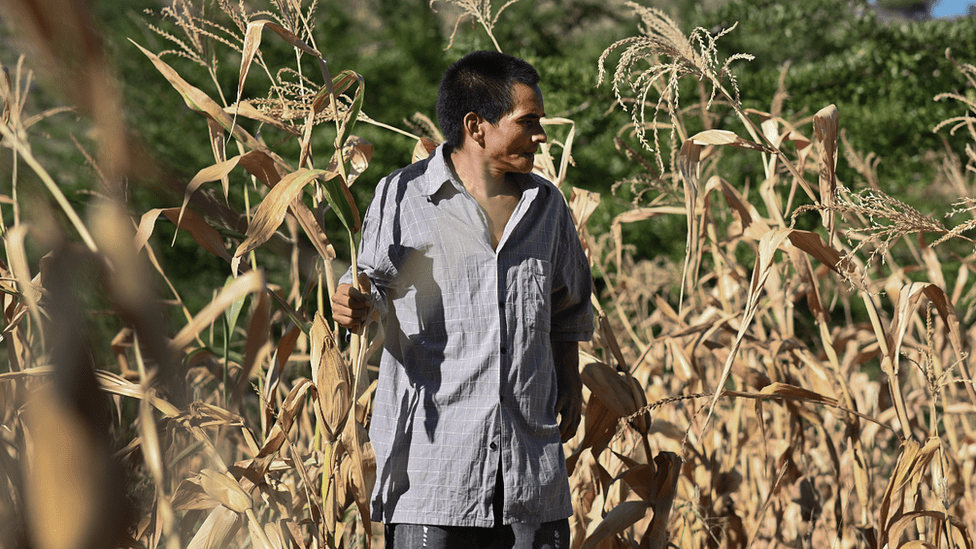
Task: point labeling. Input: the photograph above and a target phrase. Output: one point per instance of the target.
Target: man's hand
(350, 306)
(569, 387)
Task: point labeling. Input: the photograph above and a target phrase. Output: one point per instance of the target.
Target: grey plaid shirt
(467, 382)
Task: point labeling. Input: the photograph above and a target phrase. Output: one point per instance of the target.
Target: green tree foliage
(881, 74)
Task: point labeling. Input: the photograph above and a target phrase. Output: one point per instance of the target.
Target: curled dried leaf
(225, 489)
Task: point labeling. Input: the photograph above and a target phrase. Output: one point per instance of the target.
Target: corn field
(779, 387)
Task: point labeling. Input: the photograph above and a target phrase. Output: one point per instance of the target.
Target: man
(475, 265)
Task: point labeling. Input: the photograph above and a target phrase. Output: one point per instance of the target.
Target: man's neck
(498, 195)
(476, 177)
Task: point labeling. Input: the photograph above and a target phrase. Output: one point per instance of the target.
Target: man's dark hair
(480, 82)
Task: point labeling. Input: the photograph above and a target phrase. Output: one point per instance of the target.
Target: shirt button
(493, 445)
(504, 350)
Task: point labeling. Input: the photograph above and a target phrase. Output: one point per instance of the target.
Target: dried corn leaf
(792, 391)
(725, 137)
(218, 144)
(933, 266)
(764, 263)
(259, 538)
(753, 225)
(215, 172)
(273, 532)
(190, 495)
(203, 234)
(294, 534)
(225, 489)
(326, 98)
(19, 266)
(286, 418)
(252, 43)
(911, 463)
(599, 428)
(663, 489)
(639, 477)
(357, 152)
(862, 475)
(826, 125)
(908, 298)
(286, 345)
(610, 386)
(812, 244)
(913, 518)
(250, 282)
(247, 109)
(271, 212)
(424, 148)
(543, 164)
(340, 199)
(812, 291)
(689, 159)
(150, 443)
(622, 516)
(633, 216)
(261, 166)
(112, 383)
(917, 544)
(313, 231)
(343, 490)
(680, 360)
(217, 531)
(583, 203)
(202, 103)
(257, 346)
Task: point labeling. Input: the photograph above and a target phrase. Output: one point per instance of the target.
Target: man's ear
(473, 125)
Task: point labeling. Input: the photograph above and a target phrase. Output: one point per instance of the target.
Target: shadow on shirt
(420, 349)
(416, 340)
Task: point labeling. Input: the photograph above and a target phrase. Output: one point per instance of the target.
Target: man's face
(511, 144)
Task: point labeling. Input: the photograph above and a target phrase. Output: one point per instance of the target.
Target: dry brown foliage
(788, 432)
(732, 401)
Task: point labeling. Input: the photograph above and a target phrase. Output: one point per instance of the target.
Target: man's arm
(569, 387)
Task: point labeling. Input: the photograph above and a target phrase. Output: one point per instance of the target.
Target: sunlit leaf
(247, 283)
(271, 212)
(226, 490)
(725, 137)
(217, 530)
(621, 517)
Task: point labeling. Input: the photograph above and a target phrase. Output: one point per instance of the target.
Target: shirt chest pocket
(533, 284)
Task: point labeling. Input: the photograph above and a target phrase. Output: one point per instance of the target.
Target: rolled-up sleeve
(572, 310)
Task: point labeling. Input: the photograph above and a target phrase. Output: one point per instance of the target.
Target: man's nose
(540, 135)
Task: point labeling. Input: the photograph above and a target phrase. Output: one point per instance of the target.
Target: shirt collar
(438, 173)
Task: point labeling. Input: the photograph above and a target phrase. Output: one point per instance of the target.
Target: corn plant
(856, 433)
(780, 386)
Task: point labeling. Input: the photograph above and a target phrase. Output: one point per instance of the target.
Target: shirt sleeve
(572, 310)
(375, 240)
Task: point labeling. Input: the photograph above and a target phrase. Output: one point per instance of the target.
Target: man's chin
(524, 164)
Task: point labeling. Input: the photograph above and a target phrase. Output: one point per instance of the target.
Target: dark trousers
(547, 535)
